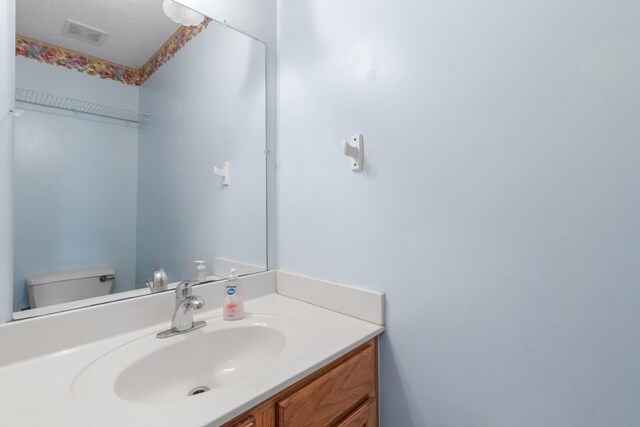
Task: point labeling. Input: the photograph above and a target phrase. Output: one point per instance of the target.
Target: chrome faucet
(159, 281)
(186, 305)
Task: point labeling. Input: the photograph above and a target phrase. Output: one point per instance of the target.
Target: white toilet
(58, 287)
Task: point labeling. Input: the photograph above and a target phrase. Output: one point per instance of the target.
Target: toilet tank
(57, 287)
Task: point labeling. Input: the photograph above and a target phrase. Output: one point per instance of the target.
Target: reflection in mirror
(126, 116)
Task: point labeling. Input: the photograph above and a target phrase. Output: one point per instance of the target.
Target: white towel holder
(223, 173)
(354, 148)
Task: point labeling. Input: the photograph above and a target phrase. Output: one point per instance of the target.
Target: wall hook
(223, 173)
(15, 112)
(354, 148)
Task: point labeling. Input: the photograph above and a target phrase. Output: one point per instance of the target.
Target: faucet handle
(183, 290)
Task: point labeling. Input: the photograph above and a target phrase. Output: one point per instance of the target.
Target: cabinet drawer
(365, 416)
(333, 395)
(262, 416)
(247, 422)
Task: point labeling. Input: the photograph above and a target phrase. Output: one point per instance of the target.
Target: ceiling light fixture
(181, 14)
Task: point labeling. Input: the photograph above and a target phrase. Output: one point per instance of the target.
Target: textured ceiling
(137, 28)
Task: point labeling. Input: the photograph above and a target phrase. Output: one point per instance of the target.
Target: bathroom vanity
(90, 344)
(293, 360)
(343, 394)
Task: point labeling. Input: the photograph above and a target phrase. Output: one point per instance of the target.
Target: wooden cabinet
(342, 394)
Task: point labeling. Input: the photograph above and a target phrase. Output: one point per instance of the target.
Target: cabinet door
(365, 416)
(331, 396)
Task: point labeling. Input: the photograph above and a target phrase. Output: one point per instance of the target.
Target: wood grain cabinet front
(366, 415)
(342, 394)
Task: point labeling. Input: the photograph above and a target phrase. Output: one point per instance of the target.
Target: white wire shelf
(78, 106)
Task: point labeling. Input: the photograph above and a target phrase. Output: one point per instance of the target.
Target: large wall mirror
(141, 150)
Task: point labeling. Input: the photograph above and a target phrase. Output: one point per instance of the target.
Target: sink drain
(198, 390)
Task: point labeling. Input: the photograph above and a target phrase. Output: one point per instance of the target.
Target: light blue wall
(7, 96)
(499, 206)
(75, 181)
(206, 106)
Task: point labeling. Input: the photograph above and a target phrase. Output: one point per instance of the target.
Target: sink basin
(222, 354)
(206, 360)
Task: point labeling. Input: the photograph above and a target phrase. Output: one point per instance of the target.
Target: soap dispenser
(233, 308)
(201, 271)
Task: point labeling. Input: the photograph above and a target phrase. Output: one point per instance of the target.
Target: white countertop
(38, 391)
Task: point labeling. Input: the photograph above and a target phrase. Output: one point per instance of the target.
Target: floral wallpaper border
(176, 42)
(55, 55)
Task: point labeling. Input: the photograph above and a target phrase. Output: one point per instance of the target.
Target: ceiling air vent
(83, 32)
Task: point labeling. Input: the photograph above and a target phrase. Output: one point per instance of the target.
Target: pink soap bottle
(233, 308)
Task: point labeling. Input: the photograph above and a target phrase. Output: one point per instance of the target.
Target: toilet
(58, 287)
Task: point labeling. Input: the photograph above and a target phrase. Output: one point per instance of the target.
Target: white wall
(257, 19)
(206, 106)
(7, 96)
(75, 180)
(498, 208)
